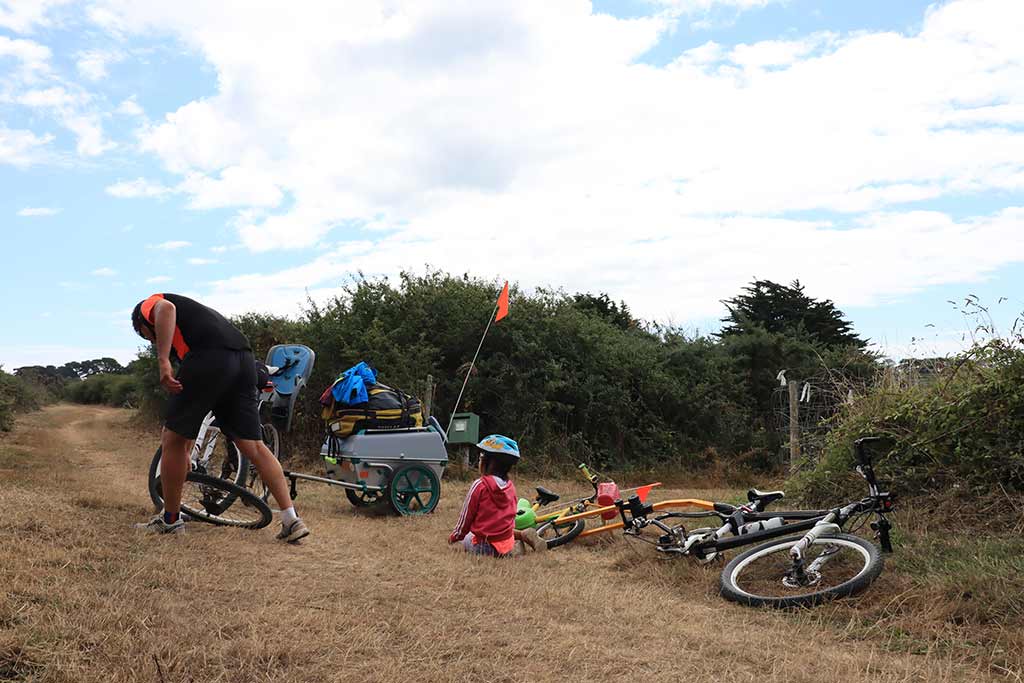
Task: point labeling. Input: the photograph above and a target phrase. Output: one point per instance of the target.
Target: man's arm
(165, 317)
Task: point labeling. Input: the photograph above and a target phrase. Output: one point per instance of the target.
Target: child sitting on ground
(486, 524)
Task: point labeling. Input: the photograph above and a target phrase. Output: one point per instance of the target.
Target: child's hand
(452, 539)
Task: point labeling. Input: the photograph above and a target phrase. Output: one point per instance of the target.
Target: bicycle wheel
(364, 499)
(836, 566)
(556, 534)
(218, 501)
(272, 440)
(215, 456)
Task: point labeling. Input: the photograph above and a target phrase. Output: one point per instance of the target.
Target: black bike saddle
(765, 496)
(545, 496)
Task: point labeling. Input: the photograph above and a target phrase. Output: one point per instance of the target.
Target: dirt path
(85, 598)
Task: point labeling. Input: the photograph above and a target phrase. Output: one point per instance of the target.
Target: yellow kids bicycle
(568, 521)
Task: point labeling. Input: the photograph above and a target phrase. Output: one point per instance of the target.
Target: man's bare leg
(269, 468)
(173, 468)
(292, 528)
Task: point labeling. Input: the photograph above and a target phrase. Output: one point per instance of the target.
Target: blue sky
(666, 152)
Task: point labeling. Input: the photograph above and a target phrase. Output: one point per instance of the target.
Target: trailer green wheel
(414, 490)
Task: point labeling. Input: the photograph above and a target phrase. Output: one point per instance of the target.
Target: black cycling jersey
(197, 326)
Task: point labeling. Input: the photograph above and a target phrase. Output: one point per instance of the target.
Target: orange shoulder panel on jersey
(178, 341)
(180, 347)
(147, 307)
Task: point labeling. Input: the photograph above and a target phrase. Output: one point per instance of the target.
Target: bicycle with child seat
(799, 558)
(214, 456)
(568, 521)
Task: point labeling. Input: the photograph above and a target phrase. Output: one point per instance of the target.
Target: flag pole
(470, 371)
(499, 312)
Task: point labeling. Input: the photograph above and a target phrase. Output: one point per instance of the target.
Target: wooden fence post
(428, 396)
(794, 426)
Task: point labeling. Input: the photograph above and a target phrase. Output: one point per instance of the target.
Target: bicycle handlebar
(858, 448)
(591, 477)
(636, 509)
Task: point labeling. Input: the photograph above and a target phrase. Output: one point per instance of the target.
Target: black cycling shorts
(221, 380)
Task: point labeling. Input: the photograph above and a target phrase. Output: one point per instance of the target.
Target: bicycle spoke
(825, 566)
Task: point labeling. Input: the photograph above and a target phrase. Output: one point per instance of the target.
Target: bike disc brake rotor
(211, 500)
(812, 579)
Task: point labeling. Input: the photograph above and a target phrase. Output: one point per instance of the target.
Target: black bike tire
(154, 490)
(575, 530)
(872, 568)
(364, 501)
(238, 494)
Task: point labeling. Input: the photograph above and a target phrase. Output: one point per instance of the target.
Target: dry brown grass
(368, 598)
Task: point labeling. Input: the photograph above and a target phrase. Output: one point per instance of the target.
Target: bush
(963, 429)
(114, 390)
(572, 377)
(18, 395)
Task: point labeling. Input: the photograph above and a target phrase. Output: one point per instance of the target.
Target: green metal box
(465, 429)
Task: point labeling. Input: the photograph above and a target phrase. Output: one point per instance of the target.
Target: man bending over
(217, 373)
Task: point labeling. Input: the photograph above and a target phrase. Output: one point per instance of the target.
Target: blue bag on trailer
(350, 387)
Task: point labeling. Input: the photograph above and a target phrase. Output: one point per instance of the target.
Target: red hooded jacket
(489, 511)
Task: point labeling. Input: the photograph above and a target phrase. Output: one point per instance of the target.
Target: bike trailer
(402, 467)
(294, 363)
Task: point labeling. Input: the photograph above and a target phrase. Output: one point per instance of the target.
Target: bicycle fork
(799, 575)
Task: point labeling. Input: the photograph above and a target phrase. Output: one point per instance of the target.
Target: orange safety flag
(644, 491)
(502, 303)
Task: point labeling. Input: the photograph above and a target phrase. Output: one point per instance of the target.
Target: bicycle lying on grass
(566, 522)
(215, 460)
(219, 475)
(820, 563)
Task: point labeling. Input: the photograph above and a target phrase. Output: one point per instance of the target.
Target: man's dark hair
(138, 320)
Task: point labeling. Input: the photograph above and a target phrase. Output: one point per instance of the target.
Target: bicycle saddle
(545, 496)
(765, 496)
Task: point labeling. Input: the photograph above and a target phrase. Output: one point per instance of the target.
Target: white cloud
(157, 278)
(104, 272)
(171, 245)
(33, 56)
(237, 186)
(72, 110)
(705, 5)
(130, 107)
(22, 147)
(140, 187)
(38, 211)
(22, 16)
(92, 64)
(34, 85)
(477, 136)
(201, 261)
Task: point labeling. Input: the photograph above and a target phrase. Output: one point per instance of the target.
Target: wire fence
(818, 401)
(820, 398)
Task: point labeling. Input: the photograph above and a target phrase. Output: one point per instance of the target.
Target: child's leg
(482, 548)
(529, 537)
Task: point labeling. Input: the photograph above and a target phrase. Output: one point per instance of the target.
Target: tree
(787, 310)
(603, 307)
